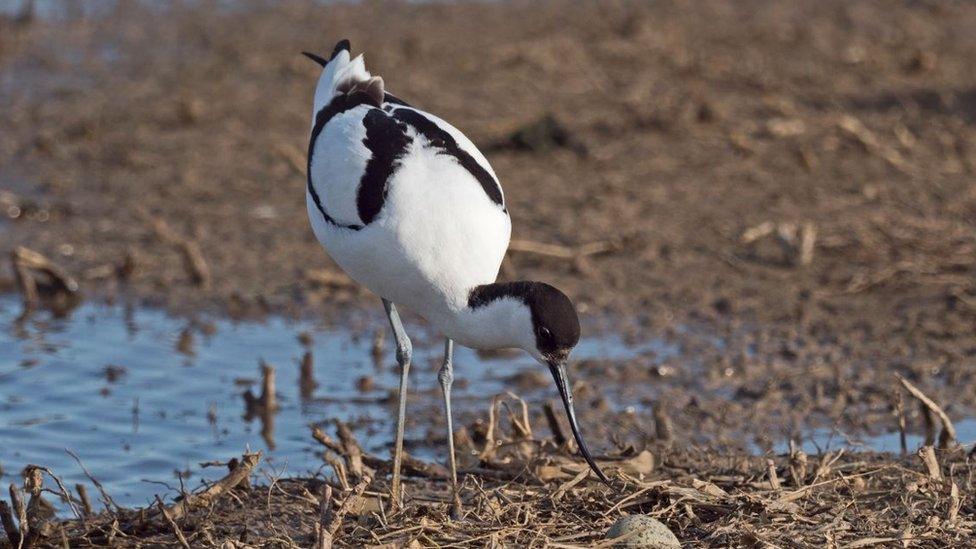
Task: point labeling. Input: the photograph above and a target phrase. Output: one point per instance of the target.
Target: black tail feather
(315, 58)
(342, 45)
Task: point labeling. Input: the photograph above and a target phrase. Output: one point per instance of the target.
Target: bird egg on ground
(643, 532)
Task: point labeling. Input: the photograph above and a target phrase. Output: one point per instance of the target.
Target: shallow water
(143, 404)
(823, 440)
(115, 386)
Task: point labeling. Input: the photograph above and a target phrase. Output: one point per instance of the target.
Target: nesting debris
(700, 497)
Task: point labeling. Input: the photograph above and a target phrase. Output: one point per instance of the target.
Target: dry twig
(948, 432)
(224, 485)
(172, 523)
(106, 499)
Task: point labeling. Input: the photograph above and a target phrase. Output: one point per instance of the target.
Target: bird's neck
(503, 321)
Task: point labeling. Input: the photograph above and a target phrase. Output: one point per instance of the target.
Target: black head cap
(554, 320)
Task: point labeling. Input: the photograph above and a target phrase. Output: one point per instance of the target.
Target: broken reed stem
(410, 465)
(269, 399)
(306, 376)
(871, 143)
(798, 465)
(234, 463)
(489, 448)
(902, 428)
(797, 240)
(351, 449)
(773, 477)
(172, 523)
(948, 433)
(338, 468)
(193, 259)
(662, 422)
(927, 455)
(242, 471)
(564, 252)
(24, 260)
(323, 538)
(20, 510)
(8, 523)
(558, 434)
(808, 242)
(357, 493)
(86, 506)
(379, 336)
(955, 502)
(40, 513)
(522, 425)
(929, 422)
(65, 495)
(25, 282)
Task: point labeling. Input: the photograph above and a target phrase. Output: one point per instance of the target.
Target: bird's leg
(404, 350)
(446, 378)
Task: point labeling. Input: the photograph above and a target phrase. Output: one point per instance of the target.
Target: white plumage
(409, 208)
(438, 234)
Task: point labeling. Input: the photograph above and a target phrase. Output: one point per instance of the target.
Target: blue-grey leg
(404, 350)
(446, 378)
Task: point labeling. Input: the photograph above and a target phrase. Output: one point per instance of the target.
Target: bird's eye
(544, 332)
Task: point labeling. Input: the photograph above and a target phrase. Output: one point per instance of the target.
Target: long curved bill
(558, 370)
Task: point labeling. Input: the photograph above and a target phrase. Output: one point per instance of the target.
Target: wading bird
(407, 206)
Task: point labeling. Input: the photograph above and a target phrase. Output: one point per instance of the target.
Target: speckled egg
(642, 532)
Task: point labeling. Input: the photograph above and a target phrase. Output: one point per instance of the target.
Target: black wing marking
(338, 105)
(442, 140)
(387, 139)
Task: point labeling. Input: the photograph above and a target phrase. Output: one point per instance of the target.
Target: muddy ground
(785, 191)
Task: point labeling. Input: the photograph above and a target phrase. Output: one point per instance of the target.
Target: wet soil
(785, 192)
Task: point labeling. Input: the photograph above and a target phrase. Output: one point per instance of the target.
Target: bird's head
(555, 328)
(533, 316)
(546, 325)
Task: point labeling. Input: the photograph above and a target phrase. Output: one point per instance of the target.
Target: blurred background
(784, 192)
